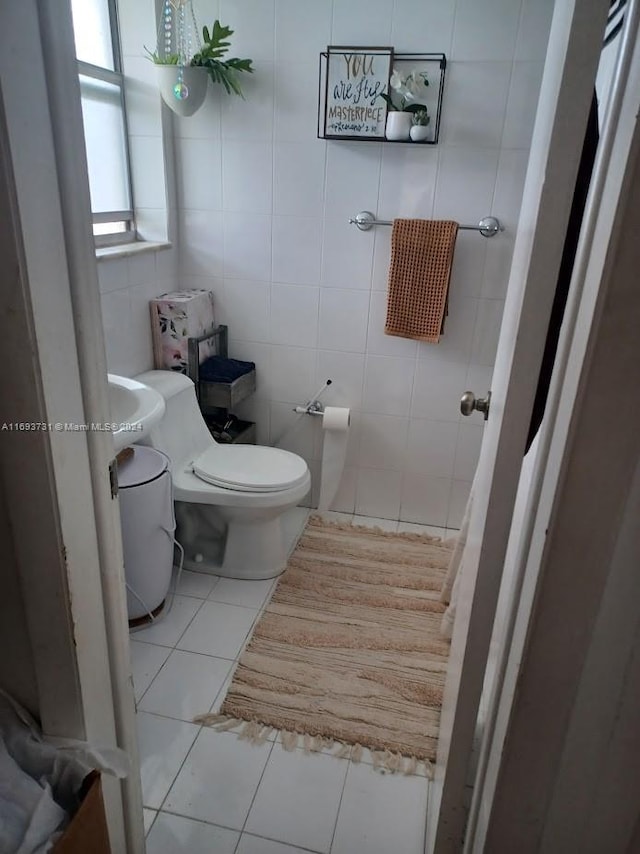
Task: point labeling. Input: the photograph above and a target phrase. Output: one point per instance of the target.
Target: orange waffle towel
(419, 273)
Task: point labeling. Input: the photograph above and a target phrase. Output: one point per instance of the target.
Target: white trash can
(148, 525)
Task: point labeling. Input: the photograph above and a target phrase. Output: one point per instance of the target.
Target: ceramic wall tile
(347, 254)
(485, 31)
(425, 499)
(522, 103)
(378, 493)
(362, 22)
(199, 174)
(297, 249)
(466, 180)
(294, 315)
(431, 448)
(476, 100)
(346, 372)
(343, 320)
(247, 246)
(201, 242)
(425, 27)
(408, 181)
(245, 305)
(388, 386)
(253, 24)
(383, 442)
(298, 185)
(250, 118)
(353, 172)
(303, 28)
(296, 105)
(247, 184)
(533, 33)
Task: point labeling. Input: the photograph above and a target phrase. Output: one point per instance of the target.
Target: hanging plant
(210, 56)
(182, 74)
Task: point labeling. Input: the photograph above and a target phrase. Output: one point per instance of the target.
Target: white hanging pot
(398, 125)
(182, 87)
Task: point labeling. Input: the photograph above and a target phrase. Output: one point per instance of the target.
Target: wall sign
(355, 78)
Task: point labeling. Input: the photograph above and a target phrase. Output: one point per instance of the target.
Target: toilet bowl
(229, 499)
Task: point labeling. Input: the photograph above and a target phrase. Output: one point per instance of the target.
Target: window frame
(116, 78)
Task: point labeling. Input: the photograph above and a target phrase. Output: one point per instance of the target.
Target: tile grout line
(246, 818)
(335, 826)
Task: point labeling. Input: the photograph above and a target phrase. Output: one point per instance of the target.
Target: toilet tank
(182, 433)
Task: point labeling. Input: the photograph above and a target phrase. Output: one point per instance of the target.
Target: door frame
(57, 299)
(565, 99)
(582, 527)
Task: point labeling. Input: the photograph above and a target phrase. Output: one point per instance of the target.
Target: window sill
(124, 250)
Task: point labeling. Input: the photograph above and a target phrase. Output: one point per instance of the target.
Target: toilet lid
(250, 468)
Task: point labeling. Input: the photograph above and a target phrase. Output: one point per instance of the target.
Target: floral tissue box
(175, 318)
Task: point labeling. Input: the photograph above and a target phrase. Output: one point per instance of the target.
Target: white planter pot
(183, 89)
(398, 125)
(420, 133)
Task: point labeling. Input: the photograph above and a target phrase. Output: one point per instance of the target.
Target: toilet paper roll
(335, 423)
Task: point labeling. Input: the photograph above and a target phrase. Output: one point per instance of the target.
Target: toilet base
(222, 541)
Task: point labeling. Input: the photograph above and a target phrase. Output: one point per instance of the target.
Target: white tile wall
(263, 210)
(126, 286)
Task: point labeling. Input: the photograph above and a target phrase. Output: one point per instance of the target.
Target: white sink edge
(146, 408)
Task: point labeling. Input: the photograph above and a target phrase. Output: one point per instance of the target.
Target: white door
(567, 87)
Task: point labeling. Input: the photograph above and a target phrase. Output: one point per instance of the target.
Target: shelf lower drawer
(227, 395)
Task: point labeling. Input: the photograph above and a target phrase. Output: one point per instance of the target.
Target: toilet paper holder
(313, 407)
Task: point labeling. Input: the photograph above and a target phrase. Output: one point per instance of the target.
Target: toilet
(229, 499)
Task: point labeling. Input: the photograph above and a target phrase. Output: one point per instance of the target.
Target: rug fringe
(406, 535)
(256, 733)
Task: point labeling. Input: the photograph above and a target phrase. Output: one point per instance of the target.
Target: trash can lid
(145, 465)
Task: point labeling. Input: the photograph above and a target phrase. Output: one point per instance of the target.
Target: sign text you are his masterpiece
(356, 81)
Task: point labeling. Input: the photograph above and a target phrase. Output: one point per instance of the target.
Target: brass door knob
(469, 402)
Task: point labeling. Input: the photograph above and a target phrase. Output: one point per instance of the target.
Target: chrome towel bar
(488, 226)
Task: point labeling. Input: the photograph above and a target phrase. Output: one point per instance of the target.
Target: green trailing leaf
(387, 99)
(415, 108)
(224, 72)
(169, 59)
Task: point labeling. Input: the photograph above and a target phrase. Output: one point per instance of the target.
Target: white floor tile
(168, 630)
(381, 813)
(186, 686)
(218, 629)
(172, 834)
(372, 522)
(298, 798)
(197, 584)
(367, 759)
(248, 594)
(148, 817)
(219, 779)
(256, 845)
(146, 660)
(163, 746)
(412, 528)
(222, 693)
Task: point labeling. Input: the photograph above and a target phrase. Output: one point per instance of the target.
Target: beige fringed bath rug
(349, 649)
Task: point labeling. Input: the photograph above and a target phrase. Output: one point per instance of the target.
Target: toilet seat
(250, 468)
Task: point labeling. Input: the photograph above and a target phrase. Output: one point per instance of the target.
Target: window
(95, 27)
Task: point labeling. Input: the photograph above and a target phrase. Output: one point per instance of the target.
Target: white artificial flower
(415, 85)
(396, 81)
